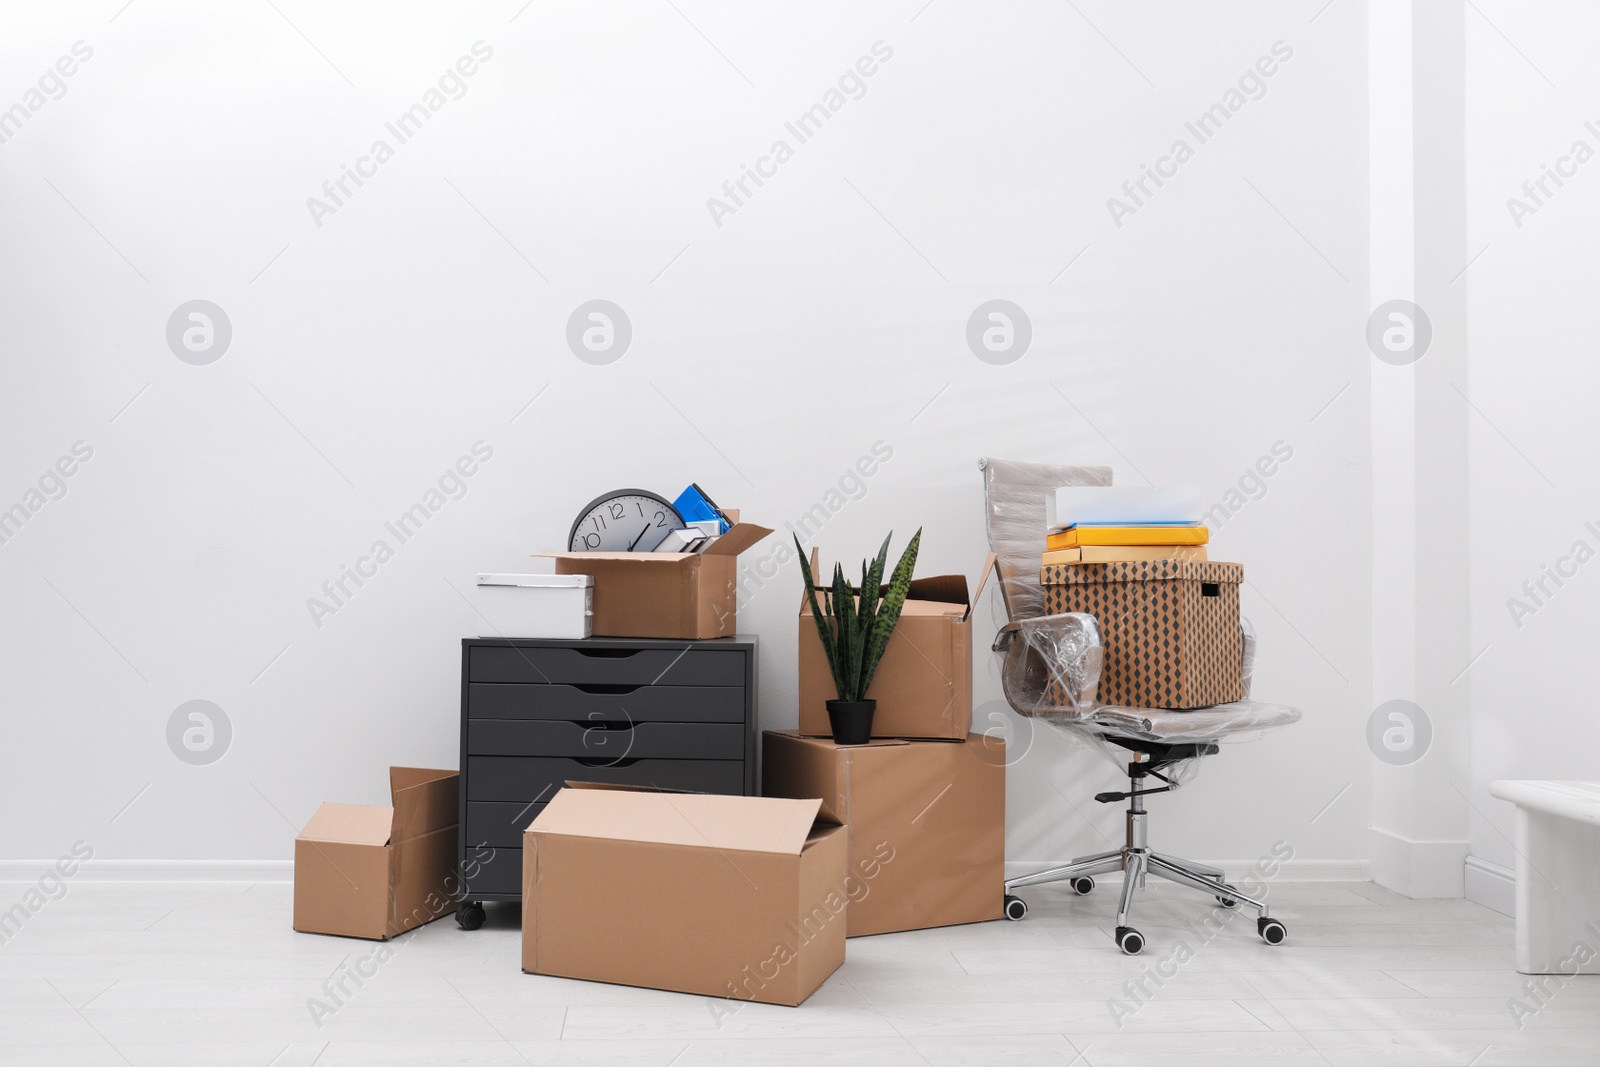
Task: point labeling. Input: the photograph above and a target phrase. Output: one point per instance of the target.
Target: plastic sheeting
(1065, 649)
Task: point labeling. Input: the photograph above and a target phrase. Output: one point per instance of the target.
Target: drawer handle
(605, 688)
(608, 653)
(605, 726)
(601, 761)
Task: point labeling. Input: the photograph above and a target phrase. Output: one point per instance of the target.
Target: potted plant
(855, 633)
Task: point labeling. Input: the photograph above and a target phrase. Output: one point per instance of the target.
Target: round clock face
(627, 520)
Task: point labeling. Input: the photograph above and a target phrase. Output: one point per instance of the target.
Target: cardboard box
(1169, 629)
(666, 594)
(740, 897)
(370, 871)
(926, 823)
(924, 681)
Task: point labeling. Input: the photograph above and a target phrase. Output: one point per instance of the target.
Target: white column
(1418, 836)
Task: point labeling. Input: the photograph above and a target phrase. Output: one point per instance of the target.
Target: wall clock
(624, 520)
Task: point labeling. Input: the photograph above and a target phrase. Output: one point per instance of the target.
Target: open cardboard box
(924, 681)
(740, 897)
(363, 870)
(926, 822)
(666, 594)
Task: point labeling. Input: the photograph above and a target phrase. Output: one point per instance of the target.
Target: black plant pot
(851, 721)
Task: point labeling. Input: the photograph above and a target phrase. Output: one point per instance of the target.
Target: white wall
(1533, 383)
(1224, 315)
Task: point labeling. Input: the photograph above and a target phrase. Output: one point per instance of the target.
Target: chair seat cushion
(1222, 722)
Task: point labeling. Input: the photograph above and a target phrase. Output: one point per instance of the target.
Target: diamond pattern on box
(1167, 643)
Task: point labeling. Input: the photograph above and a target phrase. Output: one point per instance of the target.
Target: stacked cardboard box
(1135, 559)
(923, 803)
(925, 823)
(923, 686)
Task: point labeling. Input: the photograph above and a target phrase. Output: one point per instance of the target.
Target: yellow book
(1127, 535)
(1124, 553)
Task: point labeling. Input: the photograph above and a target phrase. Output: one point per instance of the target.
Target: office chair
(1050, 672)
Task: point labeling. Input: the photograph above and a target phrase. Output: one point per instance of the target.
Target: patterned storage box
(1169, 628)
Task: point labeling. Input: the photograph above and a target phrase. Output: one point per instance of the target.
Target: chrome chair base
(1137, 862)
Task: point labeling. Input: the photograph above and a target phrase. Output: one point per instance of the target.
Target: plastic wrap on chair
(1061, 654)
(1015, 493)
(1247, 661)
(1052, 662)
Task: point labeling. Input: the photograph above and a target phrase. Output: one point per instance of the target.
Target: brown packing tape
(991, 564)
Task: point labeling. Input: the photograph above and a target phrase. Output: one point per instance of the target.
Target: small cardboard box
(666, 594)
(924, 681)
(1169, 629)
(740, 897)
(926, 823)
(370, 871)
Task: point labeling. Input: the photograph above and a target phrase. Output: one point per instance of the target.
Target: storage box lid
(538, 581)
(697, 820)
(1145, 570)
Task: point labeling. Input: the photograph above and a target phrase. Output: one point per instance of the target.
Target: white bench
(1558, 875)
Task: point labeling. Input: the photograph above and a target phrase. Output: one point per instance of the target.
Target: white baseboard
(1292, 871)
(1421, 870)
(1493, 886)
(169, 872)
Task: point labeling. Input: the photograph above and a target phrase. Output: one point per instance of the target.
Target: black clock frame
(572, 534)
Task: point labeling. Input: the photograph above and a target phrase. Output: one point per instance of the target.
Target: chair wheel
(1083, 885)
(470, 915)
(1227, 902)
(1016, 908)
(1271, 930)
(1130, 941)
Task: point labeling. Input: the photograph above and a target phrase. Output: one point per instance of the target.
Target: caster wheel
(1016, 908)
(1272, 931)
(1083, 885)
(1227, 902)
(1130, 941)
(470, 915)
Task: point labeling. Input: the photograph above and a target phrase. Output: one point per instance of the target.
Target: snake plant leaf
(824, 631)
(872, 581)
(893, 602)
(851, 637)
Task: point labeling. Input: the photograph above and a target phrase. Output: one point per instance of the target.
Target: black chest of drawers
(535, 714)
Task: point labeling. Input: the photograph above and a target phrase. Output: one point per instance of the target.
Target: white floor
(213, 976)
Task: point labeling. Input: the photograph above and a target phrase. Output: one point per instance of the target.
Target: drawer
(523, 779)
(497, 825)
(605, 743)
(620, 703)
(498, 872)
(607, 666)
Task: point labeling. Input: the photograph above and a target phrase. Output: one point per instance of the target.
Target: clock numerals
(606, 525)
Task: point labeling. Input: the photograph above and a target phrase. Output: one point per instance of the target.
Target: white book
(681, 541)
(1122, 505)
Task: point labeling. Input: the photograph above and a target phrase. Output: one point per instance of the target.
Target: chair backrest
(1014, 496)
